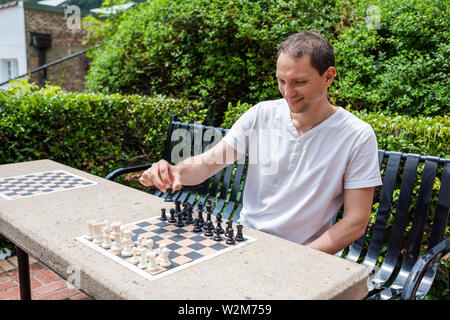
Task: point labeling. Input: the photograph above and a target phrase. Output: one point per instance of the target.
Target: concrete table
(46, 226)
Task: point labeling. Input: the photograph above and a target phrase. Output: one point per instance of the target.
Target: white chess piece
(107, 238)
(150, 244)
(117, 236)
(144, 262)
(164, 258)
(98, 233)
(128, 243)
(152, 265)
(134, 258)
(90, 235)
(141, 242)
(161, 247)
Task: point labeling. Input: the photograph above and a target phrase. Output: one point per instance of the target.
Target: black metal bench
(410, 204)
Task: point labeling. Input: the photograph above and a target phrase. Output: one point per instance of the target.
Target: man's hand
(191, 171)
(162, 175)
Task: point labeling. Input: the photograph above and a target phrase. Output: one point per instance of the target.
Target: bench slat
(384, 209)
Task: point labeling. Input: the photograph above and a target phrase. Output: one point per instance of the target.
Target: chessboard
(40, 183)
(152, 235)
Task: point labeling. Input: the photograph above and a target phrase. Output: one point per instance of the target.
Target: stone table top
(46, 226)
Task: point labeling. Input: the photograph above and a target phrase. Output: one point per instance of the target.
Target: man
(310, 157)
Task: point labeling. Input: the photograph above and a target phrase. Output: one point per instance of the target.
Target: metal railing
(45, 66)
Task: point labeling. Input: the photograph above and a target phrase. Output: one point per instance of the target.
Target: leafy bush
(217, 51)
(221, 51)
(92, 132)
(398, 63)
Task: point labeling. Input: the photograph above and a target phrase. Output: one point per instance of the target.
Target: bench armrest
(121, 171)
(420, 269)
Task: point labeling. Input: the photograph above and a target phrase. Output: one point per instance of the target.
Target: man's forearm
(193, 171)
(338, 236)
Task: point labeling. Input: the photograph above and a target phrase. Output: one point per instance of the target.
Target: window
(8, 69)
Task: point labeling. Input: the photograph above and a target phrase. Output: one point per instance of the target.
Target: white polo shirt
(295, 184)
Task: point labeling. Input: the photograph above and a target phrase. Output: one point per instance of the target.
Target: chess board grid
(44, 189)
(165, 273)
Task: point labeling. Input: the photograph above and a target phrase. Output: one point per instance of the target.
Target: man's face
(300, 84)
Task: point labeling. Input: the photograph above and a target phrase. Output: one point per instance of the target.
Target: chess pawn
(230, 235)
(172, 216)
(152, 265)
(128, 244)
(162, 246)
(164, 259)
(117, 245)
(141, 243)
(98, 233)
(217, 237)
(163, 214)
(208, 229)
(134, 258)
(107, 238)
(90, 235)
(144, 262)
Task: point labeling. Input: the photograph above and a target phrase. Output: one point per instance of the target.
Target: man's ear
(329, 75)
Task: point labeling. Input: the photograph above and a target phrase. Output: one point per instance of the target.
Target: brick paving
(45, 284)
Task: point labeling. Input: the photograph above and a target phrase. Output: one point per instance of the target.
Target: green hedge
(96, 133)
(421, 134)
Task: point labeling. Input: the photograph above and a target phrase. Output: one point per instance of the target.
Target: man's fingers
(155, 174)
(146, 179)
(164, 172)
(162, 175)
(175, 178)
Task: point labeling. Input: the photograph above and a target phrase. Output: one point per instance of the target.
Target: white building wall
(12, 39)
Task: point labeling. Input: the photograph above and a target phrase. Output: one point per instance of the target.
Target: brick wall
(69, 74)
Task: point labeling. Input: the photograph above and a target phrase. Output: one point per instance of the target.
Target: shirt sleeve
(238, 136)
(363, 170)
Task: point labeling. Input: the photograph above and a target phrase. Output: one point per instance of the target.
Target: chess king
(326, 157)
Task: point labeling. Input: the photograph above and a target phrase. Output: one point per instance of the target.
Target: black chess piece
(228, 227)
(197, 227)
(169, 196)
(177, 206)
(200, 214)
(230, 239)
(172, 216)
(208, 206)
(239, 235)
(208, 218)
(217, 237)
(163, 214)
(190, 219)
(208, 231)
(179, 222)
(219, 221)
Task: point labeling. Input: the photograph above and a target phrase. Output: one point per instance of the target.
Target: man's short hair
(309, 42)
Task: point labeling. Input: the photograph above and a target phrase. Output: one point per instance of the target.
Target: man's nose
(289, 91)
